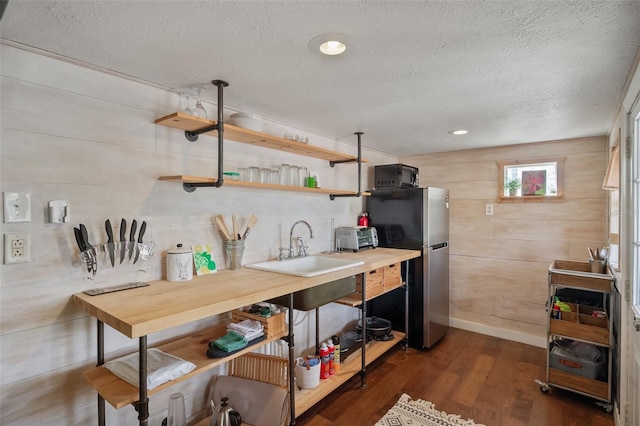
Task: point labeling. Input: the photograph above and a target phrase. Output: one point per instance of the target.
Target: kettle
(224, 415)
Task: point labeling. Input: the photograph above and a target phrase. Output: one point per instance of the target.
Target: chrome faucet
(302, 247)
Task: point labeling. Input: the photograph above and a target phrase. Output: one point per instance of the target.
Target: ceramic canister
(179, 264)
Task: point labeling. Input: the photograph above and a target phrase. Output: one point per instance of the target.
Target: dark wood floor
(484, 378)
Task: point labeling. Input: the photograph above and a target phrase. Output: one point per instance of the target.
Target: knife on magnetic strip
(132, 238)
(143, 228)
(123, 240)
(111, 248)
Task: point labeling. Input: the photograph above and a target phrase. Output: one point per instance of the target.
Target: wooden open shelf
(256, 185)
(353, 301)
(307, 398)
(183, 121)
(192, 348)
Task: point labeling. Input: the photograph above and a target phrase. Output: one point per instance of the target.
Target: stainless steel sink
(309, 266)
(314, 297)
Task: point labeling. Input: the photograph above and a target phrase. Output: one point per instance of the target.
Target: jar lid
(179, 250)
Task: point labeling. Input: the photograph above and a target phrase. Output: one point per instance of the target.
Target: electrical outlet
(17, 248)
(488, 209)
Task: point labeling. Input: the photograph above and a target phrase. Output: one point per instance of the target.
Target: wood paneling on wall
(89, 138)
(499, 263)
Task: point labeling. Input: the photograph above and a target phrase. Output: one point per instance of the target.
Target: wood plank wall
(499, 263)
(89, 138)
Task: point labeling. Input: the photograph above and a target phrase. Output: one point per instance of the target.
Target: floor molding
(501, 333)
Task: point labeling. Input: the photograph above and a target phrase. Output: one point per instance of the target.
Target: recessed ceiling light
(460, 132)
(330, 44)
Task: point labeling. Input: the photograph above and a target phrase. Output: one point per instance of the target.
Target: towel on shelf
(249, 329)
(231, 341)
(214, 352)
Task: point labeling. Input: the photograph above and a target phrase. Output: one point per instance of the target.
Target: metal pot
(376, 327)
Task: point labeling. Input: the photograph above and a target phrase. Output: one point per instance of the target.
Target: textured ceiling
(508, 71)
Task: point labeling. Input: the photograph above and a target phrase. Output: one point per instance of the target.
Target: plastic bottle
(332, 349)
(336, 353)
(324, 361)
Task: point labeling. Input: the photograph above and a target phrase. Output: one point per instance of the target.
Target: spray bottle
(336, 353)
(324, 361)
(332, 366)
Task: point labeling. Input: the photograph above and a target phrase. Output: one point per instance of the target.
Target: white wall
(88, 137)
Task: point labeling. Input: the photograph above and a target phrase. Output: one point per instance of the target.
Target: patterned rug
(419, 412)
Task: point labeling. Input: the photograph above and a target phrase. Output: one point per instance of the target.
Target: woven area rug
(419, 412)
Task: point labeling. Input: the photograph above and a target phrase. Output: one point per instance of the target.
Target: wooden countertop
(163, 304)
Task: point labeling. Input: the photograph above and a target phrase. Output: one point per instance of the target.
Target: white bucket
(308, 377)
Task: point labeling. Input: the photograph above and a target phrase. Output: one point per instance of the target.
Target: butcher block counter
(169, 304)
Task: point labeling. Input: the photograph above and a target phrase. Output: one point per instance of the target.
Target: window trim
(532, 198)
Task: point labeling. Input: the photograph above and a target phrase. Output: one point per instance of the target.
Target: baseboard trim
(501, 333)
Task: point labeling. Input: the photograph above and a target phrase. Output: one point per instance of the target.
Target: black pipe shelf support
(358, 160)
(192, 136)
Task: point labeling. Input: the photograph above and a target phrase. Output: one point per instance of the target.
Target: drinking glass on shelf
(176, 416)
(244, 174)
(185, 100)
(295, 175)
(275, 176)
(285, 174)
(303, 173)
(254, 174)
(265, 175)
(198, 109)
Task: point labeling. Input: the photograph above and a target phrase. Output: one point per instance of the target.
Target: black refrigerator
(415, 218)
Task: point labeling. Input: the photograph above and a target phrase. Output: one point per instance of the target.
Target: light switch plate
(17, 207)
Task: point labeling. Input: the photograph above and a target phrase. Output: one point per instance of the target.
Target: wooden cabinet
(139, 312)
(587, 299)
(186, 122)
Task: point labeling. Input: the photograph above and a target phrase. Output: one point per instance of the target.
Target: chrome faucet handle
(302, 247)
(281, 256)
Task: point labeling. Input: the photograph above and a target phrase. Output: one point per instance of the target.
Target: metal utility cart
(588, 295)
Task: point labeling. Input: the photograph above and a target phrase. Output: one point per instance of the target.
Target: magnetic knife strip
(105, 290)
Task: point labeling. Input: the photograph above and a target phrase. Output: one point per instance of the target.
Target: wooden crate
(375, 282)
(273, 325)
(392, 276)
(580, 324)
(578, 274)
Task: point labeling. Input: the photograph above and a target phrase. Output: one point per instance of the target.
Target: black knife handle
(85, 237)
(132, 234)
(79, 240)
(107, 227)
(143, 228)
(123, 230)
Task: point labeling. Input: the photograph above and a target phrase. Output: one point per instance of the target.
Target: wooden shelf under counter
(307, 398)
(192, 348)
(183, 121)
(256, 185)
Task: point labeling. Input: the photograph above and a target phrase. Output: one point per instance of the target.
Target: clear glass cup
(295, 175)
(303, 174)
(176, 416)
(244, 174)
(285, 174)
(275, 177)
(265, 175)
(254, 174)
(198, 110)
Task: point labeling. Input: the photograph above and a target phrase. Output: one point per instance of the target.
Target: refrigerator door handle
(440, 246)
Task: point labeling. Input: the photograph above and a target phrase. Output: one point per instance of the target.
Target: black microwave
(395, 176)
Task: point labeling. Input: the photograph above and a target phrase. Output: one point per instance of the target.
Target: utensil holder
(234, 249)
(598, 266)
